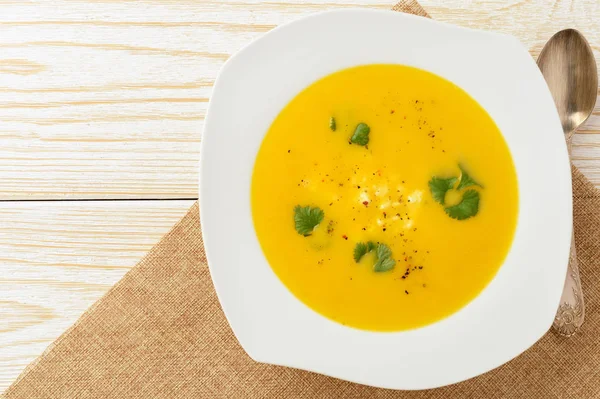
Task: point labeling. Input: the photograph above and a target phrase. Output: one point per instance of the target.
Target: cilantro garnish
(361, 134)
(384, 259)
(307, 218)
(439, 187)
(469, 204)
(383, 255)
(466, 208)
(332, 124)
(466, 180)
(361, 249)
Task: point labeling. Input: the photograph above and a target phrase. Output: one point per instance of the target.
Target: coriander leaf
(468, 206)
(332, 124)
(307, 218)
(383, 255)
(383, 265)
(384, 259)
(466, 180)
(383, 251)
(361, 249)
(361, 134)
(439, 187)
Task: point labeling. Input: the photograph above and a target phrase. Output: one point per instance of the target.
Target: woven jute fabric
(160, 333)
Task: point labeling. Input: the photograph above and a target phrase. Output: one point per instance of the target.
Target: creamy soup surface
(384, 197)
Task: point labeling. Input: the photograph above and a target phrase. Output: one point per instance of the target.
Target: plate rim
(256, 352)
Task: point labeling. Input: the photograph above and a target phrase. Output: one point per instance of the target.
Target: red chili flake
(345, 237)
(366, 203)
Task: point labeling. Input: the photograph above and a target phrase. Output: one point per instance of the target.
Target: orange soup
(384, 197)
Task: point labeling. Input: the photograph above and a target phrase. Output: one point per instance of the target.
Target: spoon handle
(572, 309)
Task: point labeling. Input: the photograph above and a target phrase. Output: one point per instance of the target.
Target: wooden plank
(107, 99)
(58, 258)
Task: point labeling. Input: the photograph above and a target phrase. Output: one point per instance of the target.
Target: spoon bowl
(568, 65)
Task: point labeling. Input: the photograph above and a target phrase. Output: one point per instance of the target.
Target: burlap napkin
(160, 333)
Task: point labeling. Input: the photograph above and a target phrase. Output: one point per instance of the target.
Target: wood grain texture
(106, 99)
(58, 258)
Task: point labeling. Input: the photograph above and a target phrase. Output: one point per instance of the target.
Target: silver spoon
(569, 67)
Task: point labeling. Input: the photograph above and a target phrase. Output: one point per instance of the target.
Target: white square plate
(514, 310)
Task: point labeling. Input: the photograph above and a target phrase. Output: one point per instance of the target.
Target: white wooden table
(101, 112)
